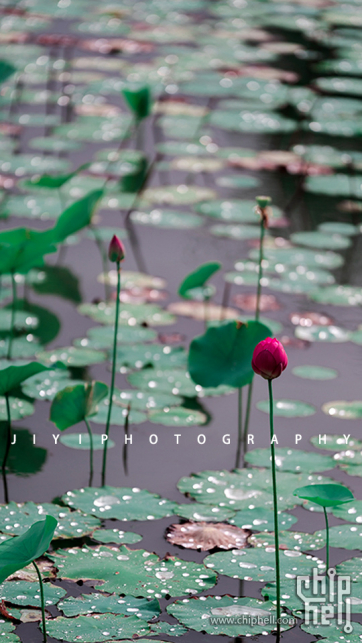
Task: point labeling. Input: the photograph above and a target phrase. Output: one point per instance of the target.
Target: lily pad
(129, 314)
(15, 519)
(322, 334)
(72, 356)
(100, 337)
(176, 381)
(136, 572)
(206, 536)
(44, 386)
(100, 604)
(28, 594)
(338, 296)
(208, 513)
(333, 633)
(122, 503)
(321, 240)
(144, 400)
(343, 410)
(118, 415)
(107, 536)
(291, 460)
(156, 355)
(7, 634)
(260, 519)
(177, 194)
(238, 232)
(230, 210)
(259, 564)
(71, 440)
(352, 512)
(18, 409)
(177, 416)
(307, 372)
(90, 629)
(197, 614)
(336, 442)
(290, 540)
(288, 408)
(167, 219)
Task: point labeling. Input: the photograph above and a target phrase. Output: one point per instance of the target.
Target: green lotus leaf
(133, 571)
(104, 627)
(144, 609)
(15, 519)
(75, 403)
(325, 495)
(122, 503)
(291, 460)
(28, 594)
(197, 279)
(107, 536)
(223, 354)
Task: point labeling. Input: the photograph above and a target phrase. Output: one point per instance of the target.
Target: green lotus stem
(327, 539)
(114, 358)
(7, 449)
(139, 134)
(42, 601)
(13, 312)
(260, 274)
(275, 504)
(240, 425)
(103, 254)
(257, 314)
(90, 451)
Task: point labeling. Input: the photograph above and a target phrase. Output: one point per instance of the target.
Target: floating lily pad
(118, 414)
(288, 408)
(23, 320)
(343, 536)
(336, 442)
(338, 296)
(237, 182)
(18, 409)
(121, 503)
(206, 536)
(177, 194)
(333, 633)
(72, 356)
(156, 355)
(15, 519)
(321, 240)
(235, 231)
(177, 416)
(44, 386)
(256, 122)
(136, 572)
(335, 185)
(352, 512)
(100, 604)
(291, 460)
(168, 219)
(129, 314)
(290, 540)
(71, 440)
(338, 227)
(307, 372)
(322, 334)
(259, 564)
(204, 512)
(7, 634)
(197, 614)
(300, 257)
(28, 594)
(260, 519)
(117, 536)
(343, 410)
(53, 144)
(90, 629)
(102, 337)
(175, 381)
(144, 400)
(230, 210)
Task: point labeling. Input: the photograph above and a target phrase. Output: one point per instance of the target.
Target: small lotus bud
(269, 359)
(116, 251)
(263, 201)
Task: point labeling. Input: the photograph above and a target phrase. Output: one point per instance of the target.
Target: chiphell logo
(326, 597)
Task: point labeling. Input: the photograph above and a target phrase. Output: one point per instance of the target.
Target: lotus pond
(139, 270)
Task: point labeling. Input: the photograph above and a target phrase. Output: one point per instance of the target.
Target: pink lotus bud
(116, 251)
(269, 358)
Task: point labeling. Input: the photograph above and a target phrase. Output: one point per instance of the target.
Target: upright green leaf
(6, 70)
(197, 279)
(54, 182)
(75, 403)
(223, 354)
(325, 495)
(20, 551)
(138, 97)
(76, 216)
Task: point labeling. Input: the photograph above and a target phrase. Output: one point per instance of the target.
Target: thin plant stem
(13, 312)
(104, 258)
(91, 451)
(327, 539)
(42, 601)
(114, 359)
(7, 449)
(257, 314)
(275, 504)
(260, 275)
(139, 143)
(240, 426)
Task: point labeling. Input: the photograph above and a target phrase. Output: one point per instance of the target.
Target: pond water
(249, 98)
